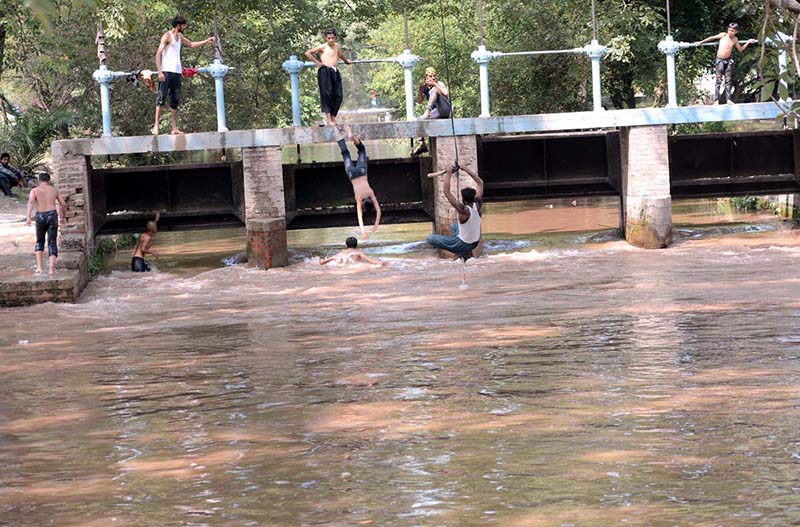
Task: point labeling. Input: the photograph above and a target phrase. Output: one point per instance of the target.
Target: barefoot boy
(357, 173)
(328, 77)
(723, 64)
(46, 197)
(168, 62)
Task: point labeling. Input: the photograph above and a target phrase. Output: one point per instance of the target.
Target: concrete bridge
(626, 153)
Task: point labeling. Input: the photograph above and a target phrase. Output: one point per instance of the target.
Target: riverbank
(18, 283)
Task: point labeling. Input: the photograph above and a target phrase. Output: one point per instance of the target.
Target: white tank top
(171, 56)
(470, 232)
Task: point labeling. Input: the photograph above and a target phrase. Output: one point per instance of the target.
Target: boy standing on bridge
(328, 76)
(170, 69)
(723, 63)
(357, 173)
(46, 198)
(465, 235)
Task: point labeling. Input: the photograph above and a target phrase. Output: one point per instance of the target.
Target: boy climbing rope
(723, 63)
(464, 235)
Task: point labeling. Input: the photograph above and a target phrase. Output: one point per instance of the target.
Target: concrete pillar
(444, 155)
(265, 206)
(71, 176)
(646, 199)
(789, 206)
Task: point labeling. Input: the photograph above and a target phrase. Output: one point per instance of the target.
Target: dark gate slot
(553, 166)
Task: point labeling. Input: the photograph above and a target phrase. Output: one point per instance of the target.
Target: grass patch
(106, 247)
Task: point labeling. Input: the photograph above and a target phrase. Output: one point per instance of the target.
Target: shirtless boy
(723, 64)
(46, 197)
(328, 76)
(138, 265)
(351, 255)
(357, 173)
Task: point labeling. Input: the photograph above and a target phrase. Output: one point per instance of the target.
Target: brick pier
(646, 199)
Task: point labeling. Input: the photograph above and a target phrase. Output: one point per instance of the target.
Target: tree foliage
(49, 54)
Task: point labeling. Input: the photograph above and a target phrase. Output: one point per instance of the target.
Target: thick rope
(449, 84)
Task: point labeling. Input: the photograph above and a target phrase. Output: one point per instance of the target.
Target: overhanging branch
(791, 5)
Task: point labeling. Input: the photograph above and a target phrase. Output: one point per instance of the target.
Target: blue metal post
(669, 48)
(293, 67)
(218, 70)
(408, 61)
(104, 77)
(482, 56)
(596, 52)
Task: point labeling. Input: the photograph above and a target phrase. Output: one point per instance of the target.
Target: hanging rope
(449, 84)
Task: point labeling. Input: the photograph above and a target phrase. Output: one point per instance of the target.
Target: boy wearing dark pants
(46, 197)
(723, 63)
(328, 76)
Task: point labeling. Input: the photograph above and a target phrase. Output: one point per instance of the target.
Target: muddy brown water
(576, 382)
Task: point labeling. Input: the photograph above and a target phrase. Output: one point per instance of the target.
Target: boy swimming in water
(138, 264)
(723, 63)
(351, 255)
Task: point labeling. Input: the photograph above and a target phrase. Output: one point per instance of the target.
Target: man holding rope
(466, 234)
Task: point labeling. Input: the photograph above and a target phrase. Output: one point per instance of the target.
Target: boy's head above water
(351, 243)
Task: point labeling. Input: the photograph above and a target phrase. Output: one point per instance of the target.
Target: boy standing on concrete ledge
(723, 63)
(328, 76)
(46, 197)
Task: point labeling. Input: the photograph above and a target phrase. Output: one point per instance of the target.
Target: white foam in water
(401, 248)
(505, 245)
(794, 251)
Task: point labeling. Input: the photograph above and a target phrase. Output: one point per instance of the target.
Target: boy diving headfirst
(328, 76)
(723, 63)
(357, 172)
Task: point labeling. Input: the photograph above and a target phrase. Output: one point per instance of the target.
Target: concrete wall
(265, 206)
(789, 206)
(646, 199)
(444, 155)
(71, 174)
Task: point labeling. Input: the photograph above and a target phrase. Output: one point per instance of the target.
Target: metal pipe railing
(406, 59)
(482, 56)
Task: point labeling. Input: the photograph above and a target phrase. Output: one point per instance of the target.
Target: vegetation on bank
(106, 247)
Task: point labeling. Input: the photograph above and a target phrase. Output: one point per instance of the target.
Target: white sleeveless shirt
(470, 232)
(171, 56)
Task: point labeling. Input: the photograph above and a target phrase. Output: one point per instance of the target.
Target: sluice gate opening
(320, 195)
(191, 196)
(734, 164)
(550, 166)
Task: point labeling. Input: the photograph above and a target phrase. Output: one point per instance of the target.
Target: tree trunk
(791, 5)
(2, 45)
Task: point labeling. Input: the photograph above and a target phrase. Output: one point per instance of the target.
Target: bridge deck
(409, 129)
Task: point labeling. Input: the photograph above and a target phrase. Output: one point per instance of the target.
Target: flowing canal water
(577, 382)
